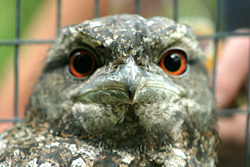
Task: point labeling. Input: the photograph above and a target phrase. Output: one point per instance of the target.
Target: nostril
(131, 96)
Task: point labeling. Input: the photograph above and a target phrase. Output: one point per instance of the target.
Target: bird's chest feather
(42, 148)
(29, 148)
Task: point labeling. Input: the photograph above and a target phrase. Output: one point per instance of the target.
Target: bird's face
(124, 76)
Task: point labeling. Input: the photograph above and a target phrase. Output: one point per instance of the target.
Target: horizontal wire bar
(11, 120)
(50, 41)
(229, 112)
(26, 42)
(222, 35)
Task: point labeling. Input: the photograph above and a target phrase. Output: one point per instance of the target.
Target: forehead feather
(132, 34)
(125, 32)
(121, 24)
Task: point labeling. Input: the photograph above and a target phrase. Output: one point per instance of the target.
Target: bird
(117, 91)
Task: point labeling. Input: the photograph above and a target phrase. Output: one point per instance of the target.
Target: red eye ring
(174, 62)
(82, 63)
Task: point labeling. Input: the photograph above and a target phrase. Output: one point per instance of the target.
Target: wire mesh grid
(17, 42)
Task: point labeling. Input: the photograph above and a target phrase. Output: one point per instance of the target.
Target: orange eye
(82, 63)
(174, 62)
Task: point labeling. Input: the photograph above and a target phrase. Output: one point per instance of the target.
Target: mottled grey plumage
(129, 112)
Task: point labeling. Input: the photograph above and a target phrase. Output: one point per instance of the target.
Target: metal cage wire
(215, 37)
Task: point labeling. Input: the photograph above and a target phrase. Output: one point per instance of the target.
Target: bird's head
(124, 77)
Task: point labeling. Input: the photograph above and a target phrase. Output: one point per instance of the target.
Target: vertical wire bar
(18, 13)
(58, 24)
(248, 116)
(248, 113)
(175, 6)
(137, 6)
(216, 39)
(97, 9)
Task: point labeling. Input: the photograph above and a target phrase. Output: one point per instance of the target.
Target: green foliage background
(7, 27)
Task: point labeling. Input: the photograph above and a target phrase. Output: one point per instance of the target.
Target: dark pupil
(172, 62)
(83, 63)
